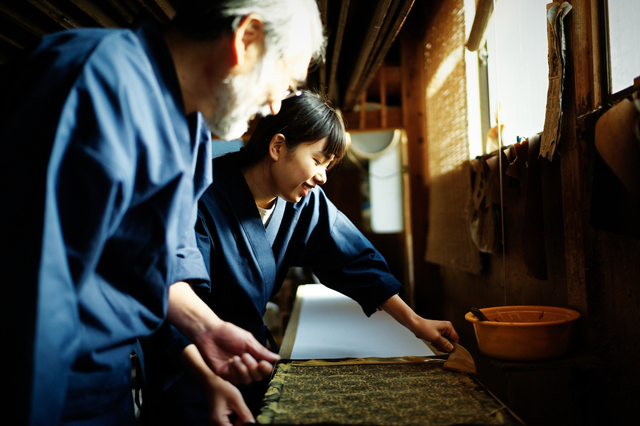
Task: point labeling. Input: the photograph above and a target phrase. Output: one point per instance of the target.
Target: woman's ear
(277, 146)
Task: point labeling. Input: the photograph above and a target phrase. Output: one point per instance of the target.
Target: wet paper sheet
(332, 326)
(557, 53)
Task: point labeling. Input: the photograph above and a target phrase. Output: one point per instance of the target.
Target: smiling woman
(264, 213)
(288, 156)
(294, 172)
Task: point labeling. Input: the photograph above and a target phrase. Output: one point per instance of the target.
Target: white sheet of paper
(332, 325)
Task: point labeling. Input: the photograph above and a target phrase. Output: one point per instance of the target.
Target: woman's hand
(439, 333)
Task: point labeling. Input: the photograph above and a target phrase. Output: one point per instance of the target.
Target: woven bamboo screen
(448, 240)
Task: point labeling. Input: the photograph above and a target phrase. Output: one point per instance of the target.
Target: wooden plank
(383, 33)
(21, 20)
(152, 7)
(409, 273)
(484, 10)
(383, 96)
(393, 22)
(167, 8)
(583, 48)
(373, 119)
(322, 67)
(414, 120)
(337, 46)
(292, 328)
(122, 8)
(363, 111)
(11, 41)
(56, 13)
(96, 13)
(352, 93)
(362, 80)
(133, 5)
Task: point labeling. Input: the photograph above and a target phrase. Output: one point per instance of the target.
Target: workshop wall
(587, 269)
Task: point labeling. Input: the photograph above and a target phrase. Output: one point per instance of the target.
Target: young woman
(266, 212)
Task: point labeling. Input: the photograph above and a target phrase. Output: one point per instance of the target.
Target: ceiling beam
(323, 6)
(126, 12)
(388, 17)
(167, 8)
(384, 43)
(21, 20)
(351, 94)
(337, 46)
(58, 14)
(95, 12)
(484, 10)
(157, 11)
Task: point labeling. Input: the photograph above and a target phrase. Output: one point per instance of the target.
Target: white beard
(233, 106)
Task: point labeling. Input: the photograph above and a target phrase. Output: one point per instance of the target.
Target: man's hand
(234, 354)
(231, 352)
(223, 398)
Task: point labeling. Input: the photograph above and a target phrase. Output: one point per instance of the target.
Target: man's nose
(275, 106)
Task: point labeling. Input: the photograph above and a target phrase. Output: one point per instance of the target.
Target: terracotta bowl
(524, 333)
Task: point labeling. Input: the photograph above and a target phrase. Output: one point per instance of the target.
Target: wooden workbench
(374, 391)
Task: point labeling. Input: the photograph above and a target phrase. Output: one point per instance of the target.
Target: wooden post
(414, 122)
(583, 54)
(383, 96)
(363, 111)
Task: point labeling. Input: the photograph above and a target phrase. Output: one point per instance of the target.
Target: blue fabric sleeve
(344, 259)
(115, 183)
(190, 266)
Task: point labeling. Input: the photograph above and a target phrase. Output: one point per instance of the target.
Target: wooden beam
(322, 71)
(361, 79)
(414, 120)
(57, 14)
(21, 20)
(122, 8)
(584, 83)
(484, 10)
(373, 119)
(167, 8)
(156, 10)
(393, 31)
(337, 46)
(410, 264)
(134, 5)
(383, 33)
(383, 96)
(373, 32)
(11, 41)
(96, 13)
(363, 111)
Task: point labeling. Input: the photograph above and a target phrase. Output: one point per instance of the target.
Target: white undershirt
(265, 214)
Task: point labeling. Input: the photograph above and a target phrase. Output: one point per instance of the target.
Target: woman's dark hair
(304, 118)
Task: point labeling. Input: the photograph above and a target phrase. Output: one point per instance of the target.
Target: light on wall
(383, 150)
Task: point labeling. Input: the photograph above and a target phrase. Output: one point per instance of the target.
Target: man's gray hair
(283, 20)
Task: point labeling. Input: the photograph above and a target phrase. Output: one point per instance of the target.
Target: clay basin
(524, 333)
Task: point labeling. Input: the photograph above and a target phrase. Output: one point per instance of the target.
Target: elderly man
(106, 148)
